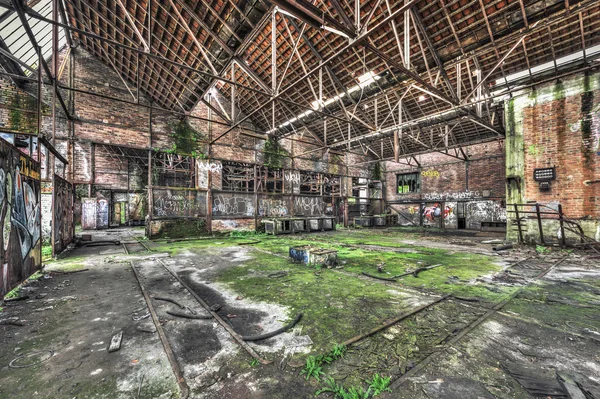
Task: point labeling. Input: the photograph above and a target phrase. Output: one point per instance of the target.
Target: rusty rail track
(234, 335)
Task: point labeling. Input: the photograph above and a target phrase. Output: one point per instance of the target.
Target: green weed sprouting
(312, 368)
(253, 363)
(314, 364)
(379, 384)
(339, 392)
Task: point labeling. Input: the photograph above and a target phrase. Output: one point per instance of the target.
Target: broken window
(408, 183)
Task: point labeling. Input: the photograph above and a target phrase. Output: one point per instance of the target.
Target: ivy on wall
(377, 171)
(22, 112)
(186, 140)
(275, 154)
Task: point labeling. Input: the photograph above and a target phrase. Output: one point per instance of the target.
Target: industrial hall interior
(281, 199)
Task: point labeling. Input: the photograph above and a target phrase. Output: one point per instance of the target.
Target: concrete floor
(491, 326)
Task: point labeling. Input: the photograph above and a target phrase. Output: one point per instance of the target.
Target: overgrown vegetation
(243, 234)
(186, 140)
(46, 251)
(377, 172)
(275, 154)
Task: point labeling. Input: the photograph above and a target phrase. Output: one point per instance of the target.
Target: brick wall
(558, 125)
(103, 121)
(447, 183)
(446, 177)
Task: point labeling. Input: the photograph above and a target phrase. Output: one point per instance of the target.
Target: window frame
(417, 178)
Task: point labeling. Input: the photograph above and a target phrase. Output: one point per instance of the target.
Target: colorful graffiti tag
(20, 217)
(430, 173)
(436, 211)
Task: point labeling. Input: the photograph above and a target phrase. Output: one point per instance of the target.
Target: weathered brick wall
(445, 177)
(557, 125)
(104, 121)
(447, 183)
(18, 110)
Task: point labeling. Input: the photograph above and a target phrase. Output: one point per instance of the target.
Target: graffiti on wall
(271, 207)
(181, 203)
(460, 195)
(436, 211)
(430, 173)
(240, 206)
(292, 176)
(63, 213)
(309, 206)
(20, 217)
(206, 168)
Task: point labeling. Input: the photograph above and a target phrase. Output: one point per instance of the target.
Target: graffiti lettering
(452, 196)
(214, 166)
(192, 204)
(292, 176)
(233, 206)
(430, 173)
(309, 206)
(272, 207)
(27, 167)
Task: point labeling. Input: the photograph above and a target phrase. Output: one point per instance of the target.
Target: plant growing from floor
(339, 392)
(339, 350)
(541, 249)
(274, 153)
(314, 364)
(379, 384)
(312, 368)
(253, 363)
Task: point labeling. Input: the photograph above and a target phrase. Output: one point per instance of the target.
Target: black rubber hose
(189, 316)
(273, 333)
(379, 278)
(160, 298)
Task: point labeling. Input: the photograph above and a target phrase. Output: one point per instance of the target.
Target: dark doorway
(461, 216)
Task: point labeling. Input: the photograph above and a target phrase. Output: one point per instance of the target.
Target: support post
(518, 224)
(563, 240)
(539, 220)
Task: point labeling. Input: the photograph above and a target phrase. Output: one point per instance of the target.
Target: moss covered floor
(258, 288)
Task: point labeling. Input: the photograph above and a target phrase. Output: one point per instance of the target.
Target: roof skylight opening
(364, 80)
(589, 52)
(367, 78)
